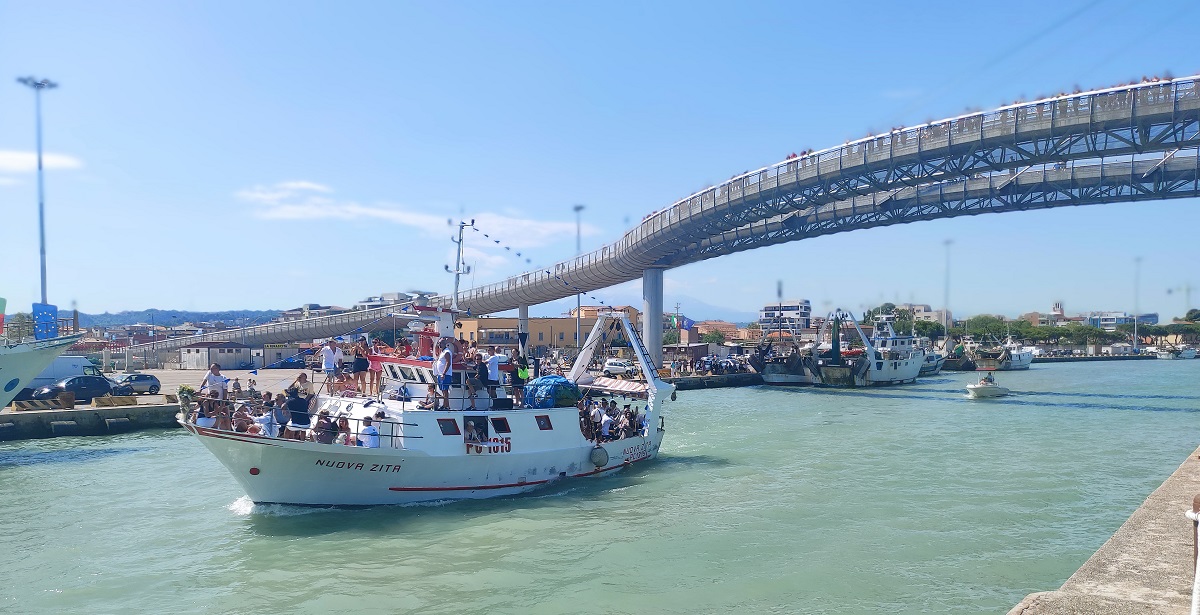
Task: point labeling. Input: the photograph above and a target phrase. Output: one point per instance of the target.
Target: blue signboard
(45, 321)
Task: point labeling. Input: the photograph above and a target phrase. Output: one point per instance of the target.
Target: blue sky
(223, 155)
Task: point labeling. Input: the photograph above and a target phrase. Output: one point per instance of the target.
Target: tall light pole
(1137, 272)
(578, 251)
(38, 86)
(946, 292)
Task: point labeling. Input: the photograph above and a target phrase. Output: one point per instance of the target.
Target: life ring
(599, 456)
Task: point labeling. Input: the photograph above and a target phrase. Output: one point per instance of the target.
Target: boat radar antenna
(460, 269)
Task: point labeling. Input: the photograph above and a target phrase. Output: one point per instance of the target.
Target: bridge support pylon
(652, 314)
(523, 330)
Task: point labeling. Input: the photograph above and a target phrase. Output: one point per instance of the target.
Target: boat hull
(21, 363)
(932, 366)
(272, 470)
(984, 391)
(779, 374)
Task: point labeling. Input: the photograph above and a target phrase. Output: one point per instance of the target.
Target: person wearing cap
(369, 436)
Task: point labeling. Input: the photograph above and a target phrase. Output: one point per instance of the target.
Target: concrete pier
(1146, 567)
(85, 421)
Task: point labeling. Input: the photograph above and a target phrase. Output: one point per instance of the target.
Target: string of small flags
(529, 261)
(507, 248)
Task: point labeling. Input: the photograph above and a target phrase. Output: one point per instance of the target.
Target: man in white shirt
(214, 381)
(369, 436)
(331, 358)
(606, 427)
(443, 367)
(493, 366)
(597, 416)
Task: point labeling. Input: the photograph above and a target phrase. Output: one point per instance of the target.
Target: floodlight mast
(38, 86)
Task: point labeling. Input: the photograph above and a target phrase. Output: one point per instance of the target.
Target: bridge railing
(1068, 111)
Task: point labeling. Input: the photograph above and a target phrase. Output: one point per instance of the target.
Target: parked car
(139, 383)
(62, 368)
(619, 367)
(84, 387)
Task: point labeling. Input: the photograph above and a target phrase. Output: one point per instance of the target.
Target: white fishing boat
(933, 364)
(885, 357)
(986, 387)
(21, 362)
(422, 454)
(1176, 352)
(1003, 357)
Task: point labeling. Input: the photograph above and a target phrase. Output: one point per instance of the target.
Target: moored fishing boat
(1003, 357)
(885, 357)
(933, 364)
(416, 454)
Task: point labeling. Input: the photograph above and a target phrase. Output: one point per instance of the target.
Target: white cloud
(14, 161)
(902, 93)
(8, 181)
(492, 234)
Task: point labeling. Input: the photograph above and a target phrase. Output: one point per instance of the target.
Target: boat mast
(460, 269)
(779, 312)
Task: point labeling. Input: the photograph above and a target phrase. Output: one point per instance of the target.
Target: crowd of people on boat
(287, 415)
(603, 421)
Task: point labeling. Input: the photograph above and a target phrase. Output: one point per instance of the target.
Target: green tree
(753, 325)
(671, 336)
(986, 326)
(19, 326)
(1192, 315)
(929, 329)
(713, 337)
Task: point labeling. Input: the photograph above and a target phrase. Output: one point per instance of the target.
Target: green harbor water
(900, 500)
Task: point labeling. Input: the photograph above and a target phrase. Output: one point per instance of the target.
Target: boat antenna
(460, 268)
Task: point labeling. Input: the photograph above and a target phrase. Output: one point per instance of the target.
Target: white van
(62, 367)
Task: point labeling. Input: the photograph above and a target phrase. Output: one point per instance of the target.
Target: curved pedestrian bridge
(1129, 143)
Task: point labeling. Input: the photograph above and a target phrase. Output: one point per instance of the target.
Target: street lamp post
(946, 293)
(38, 86)
(578, 251)
(1137, 273)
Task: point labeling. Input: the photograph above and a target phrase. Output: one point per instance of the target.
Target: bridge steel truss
(1121, 144)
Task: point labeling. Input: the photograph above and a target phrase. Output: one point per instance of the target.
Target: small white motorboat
(986, 387)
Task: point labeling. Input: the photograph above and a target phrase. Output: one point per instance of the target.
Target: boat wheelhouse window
(543, 422)
(449, 427)
(500, 425)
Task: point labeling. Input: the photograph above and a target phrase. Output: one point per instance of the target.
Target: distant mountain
(172, 318)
